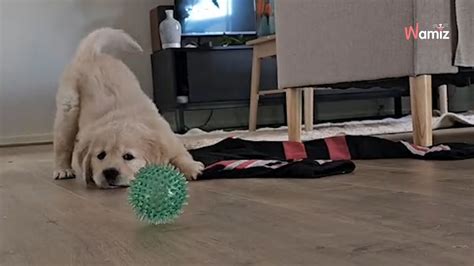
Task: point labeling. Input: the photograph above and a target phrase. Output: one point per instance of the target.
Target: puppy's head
(111, 156)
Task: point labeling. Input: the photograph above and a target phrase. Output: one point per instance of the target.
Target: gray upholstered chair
(321, 42)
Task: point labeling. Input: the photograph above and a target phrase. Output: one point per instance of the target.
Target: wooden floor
(389, 212)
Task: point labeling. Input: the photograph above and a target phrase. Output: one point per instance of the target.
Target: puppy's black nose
(110, 175)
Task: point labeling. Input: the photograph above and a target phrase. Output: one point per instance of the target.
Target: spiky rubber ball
(158, 194)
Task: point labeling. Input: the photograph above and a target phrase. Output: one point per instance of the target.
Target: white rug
(196, 138)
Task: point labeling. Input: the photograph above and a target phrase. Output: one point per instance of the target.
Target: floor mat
(197, 138)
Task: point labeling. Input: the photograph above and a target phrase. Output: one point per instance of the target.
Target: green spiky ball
(158, 194)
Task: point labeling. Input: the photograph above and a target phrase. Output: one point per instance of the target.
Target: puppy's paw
(64, 174)
(192, 170)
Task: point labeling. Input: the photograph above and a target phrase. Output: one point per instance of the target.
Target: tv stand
(186, 79)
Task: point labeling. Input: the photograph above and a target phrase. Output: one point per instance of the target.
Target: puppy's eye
(101, 155)
(128, 157)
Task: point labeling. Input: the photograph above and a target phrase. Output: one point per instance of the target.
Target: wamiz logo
(439, 32)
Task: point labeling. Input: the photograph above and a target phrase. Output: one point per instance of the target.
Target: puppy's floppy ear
(87, 169)
(84, 159)
(153, 153)
(156, 146)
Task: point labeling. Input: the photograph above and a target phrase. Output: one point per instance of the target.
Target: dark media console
(206, 78)
(216, 74)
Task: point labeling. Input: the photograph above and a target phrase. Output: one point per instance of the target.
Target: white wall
(39, 37)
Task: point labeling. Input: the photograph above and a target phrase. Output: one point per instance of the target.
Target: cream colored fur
(101, 108)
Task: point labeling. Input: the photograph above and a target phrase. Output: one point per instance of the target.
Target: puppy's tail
(106, 40)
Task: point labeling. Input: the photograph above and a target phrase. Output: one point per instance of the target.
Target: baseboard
(48, 138)
(26, 139)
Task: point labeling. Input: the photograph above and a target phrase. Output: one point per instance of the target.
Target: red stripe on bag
(245, 164)
(338, 149)
(221, 163)
(294, 150)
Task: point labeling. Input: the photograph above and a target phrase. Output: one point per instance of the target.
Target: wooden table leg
(293, 109)
(308, 109)
(254, 97)
(421, 109)
(443, 99)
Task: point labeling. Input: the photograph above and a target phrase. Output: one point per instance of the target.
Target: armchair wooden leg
(254, 90)
(421, 109)
(293, 110)
(308, 109)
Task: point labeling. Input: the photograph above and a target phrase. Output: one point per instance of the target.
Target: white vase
(170, 31)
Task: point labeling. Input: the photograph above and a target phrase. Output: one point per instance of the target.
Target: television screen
(216, 17)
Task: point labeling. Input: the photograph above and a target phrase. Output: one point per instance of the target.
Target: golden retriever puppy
(106, 128)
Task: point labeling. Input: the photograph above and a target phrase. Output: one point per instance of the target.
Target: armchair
(325, 42)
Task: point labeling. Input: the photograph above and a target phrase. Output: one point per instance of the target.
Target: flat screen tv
(216, 17)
